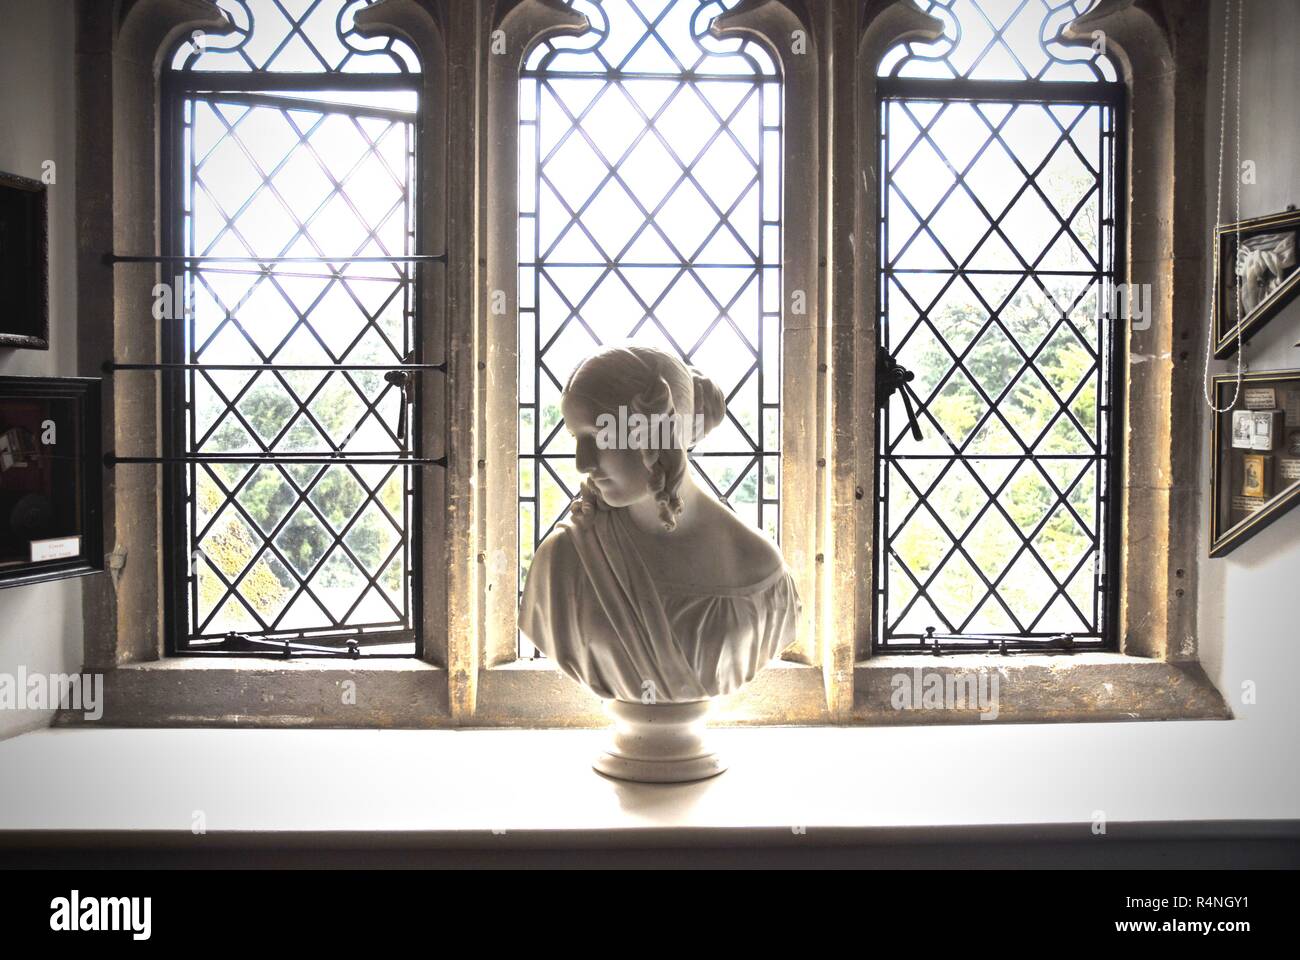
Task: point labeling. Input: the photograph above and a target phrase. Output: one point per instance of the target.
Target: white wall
(41, 625)
(1250, 599)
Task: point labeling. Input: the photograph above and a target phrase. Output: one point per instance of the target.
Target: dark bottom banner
(341, 908)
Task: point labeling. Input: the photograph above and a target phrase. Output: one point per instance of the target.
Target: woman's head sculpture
(635, 412)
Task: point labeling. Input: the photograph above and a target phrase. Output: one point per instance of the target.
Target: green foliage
(1029, 498)
(335, 491)
(229, 547)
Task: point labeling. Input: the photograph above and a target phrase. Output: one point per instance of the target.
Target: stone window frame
(514, 691)
(467, 677)
(122, 50)
(1160, 49)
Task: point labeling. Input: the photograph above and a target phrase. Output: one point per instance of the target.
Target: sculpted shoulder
(556, 553)
(759, 556)
(749, 554)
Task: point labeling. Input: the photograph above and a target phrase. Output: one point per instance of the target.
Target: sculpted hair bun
(709, 403)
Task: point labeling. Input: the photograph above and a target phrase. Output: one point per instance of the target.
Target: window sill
(501, 790)
(268, 692)
(534, 693)
(888, 690)
(1032, 688)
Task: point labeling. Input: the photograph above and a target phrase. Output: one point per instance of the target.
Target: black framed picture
(1255, 450)
(50, 479)
(1256, 273)
(24, 264)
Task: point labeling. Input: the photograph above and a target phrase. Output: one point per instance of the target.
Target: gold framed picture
(1249, 489)
(1256, 273)
(1255, 471)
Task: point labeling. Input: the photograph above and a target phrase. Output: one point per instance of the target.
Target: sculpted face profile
(654, 595)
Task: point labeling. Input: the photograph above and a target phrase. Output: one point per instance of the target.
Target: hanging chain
(1218, 203)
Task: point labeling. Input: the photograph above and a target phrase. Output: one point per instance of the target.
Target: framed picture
(1255, 459)
(1256, 273)
(1255, 475)
(1243, 430)
(50, 479)
(24, 264)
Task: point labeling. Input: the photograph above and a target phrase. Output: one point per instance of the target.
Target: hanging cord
(1218, 203)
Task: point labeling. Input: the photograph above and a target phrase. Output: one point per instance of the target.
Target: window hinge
(1003, 644)
(242, 643)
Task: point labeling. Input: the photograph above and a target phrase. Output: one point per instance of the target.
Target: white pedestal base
(659, 743)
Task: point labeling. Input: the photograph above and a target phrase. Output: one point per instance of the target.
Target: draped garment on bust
(592, 606)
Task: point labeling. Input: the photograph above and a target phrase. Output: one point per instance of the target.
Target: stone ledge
(409, 694)
(331, 665)
(535, 694)
(255, 692)
(1082, 688)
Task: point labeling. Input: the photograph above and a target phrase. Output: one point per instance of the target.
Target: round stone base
(659, 743)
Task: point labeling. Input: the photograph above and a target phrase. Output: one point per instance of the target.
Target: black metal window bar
(650, 209)
(291, 354)
(997, 406)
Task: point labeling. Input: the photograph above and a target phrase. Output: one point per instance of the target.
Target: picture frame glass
(1255, 471)
(50, 485)
(1257, 272)
(24, 263)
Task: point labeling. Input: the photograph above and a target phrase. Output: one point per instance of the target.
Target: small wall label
(60, 548)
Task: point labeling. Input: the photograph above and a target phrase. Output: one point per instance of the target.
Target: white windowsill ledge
(462, 785)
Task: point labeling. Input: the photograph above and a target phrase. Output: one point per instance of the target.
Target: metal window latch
(930, 638)
(1065, 641)
(404, 380)
(890, 376)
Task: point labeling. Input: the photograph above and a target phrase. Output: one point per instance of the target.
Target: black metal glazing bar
(999, 91)
(113, 367)
(113, 259)
(283, 102)
(219, 83)
(351, 459)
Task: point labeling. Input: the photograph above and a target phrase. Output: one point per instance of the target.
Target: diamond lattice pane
(650, 210)
(1000, 40)
(284, 547)
(294, 36)
(993, 520)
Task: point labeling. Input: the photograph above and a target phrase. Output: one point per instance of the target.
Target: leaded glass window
(650, 208)
(997, 278)
(287, 142)
(1000, 40)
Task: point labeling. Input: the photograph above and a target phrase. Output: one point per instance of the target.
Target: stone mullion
(1164, 65)
(515, 27)
(851, 394)
(799, 42)
(123, 155)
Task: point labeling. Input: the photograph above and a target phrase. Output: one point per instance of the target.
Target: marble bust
(654, 595)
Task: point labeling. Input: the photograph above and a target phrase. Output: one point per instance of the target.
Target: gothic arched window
(290, 162)
(995, 516)
(650, 167)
